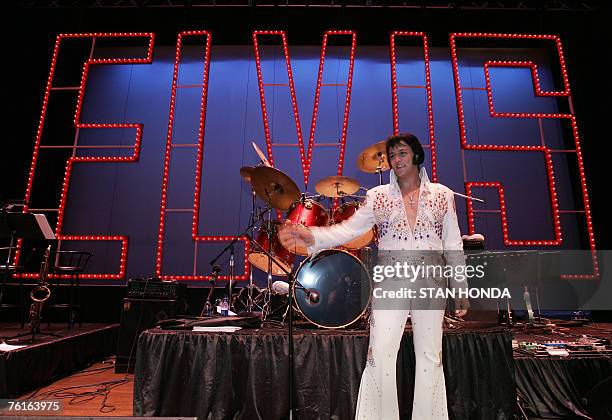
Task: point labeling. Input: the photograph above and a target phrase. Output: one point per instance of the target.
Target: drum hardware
(282, 288)
(246, 173)
(279, 192)
(241, 299)
(354, 196)
(265, 310)
(250, 303)
(267, 238)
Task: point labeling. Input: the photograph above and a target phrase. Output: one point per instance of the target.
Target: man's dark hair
(410, 140)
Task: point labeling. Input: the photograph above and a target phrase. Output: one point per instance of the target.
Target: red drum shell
(308, 213)
(341, 214)
(260, 260)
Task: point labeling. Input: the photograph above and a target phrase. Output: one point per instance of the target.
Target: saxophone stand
(31, 226)
(34, 332)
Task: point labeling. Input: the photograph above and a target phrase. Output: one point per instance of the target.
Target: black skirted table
(565, 388)
(243, 375)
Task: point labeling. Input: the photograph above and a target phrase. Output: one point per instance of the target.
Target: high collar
(394, 184)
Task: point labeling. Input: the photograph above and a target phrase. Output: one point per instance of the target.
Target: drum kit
(331, 288)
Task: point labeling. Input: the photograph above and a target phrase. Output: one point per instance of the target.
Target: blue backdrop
(124, 198)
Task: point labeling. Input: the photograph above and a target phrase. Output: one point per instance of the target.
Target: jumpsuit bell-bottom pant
(378, 389)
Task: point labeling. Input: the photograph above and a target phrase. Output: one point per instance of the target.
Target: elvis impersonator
(411, 214)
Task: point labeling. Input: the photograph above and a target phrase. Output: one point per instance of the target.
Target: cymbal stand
(265, 310)
(250, 286)
(338, 192)
(251, 303)
(379, 168)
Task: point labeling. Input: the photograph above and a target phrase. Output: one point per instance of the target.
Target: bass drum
(342, 283)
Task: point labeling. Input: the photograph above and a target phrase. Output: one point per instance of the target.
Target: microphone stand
(230, 246)
(208, 304)
(290, 280)
(231, 276)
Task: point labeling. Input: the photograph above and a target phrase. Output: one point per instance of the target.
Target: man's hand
(462, 305)
(295, 235)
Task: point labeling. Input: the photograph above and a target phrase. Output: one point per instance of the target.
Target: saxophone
(41, 293)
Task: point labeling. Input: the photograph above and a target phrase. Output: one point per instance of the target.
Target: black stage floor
(50, 357)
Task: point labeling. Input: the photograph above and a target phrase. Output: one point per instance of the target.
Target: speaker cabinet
(138, 315)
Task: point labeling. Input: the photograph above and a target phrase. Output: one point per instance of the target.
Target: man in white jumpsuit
(412, 214)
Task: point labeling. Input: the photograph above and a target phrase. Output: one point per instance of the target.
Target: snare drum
(307, 213)
(344, 212)
(260, 260)
(342, 284)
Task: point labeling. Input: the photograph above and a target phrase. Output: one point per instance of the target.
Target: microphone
(312, 296)
(282, 288)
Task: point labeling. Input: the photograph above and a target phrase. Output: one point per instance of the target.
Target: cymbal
(282, 188)
(246, 172)
(337, 186)
(373, 157)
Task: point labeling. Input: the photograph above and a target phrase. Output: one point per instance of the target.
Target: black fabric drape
(244, 375)
(28, 368)
(559, 388)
